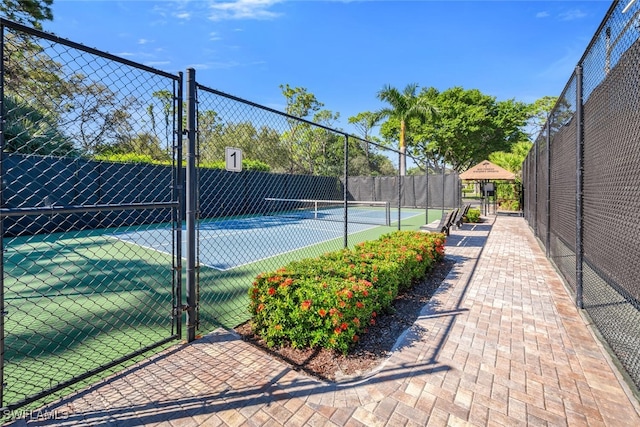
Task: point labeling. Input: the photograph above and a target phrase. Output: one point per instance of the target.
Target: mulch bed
(372, 348)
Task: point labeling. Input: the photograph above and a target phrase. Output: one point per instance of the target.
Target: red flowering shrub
(329, 301)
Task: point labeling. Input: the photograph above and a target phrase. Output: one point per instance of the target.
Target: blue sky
(344, 52)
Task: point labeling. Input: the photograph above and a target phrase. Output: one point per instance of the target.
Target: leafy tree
(209, 131)
(95, 116)
(28, 130)
(90, 114)
(470, 125)
(404, 106)
(509, 194)
(166, 99)
(31, 12)
(513, 159)
(365, 122)
(145, 145)
(261, 144)
(310, 149)
(540, 111)
(33, 76)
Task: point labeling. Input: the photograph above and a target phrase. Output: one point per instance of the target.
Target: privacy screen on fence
(582, 184)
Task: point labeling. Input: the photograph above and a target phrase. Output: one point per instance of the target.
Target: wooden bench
(461, 214)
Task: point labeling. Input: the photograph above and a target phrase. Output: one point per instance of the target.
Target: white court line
(289, 251)
(252, 230)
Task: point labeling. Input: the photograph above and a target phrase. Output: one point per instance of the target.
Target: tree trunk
(403, 149)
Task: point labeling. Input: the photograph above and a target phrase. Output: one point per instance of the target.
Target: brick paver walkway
(501, 343)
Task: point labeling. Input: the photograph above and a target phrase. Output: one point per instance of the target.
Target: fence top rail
(52, 37)
(289, 116)
(594, 39)
(602, 27)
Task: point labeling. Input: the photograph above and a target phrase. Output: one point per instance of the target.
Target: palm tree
(403, 106)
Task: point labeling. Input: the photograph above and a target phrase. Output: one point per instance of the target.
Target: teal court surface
(231, 242)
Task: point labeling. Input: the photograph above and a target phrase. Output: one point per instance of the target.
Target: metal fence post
(426, 208)
(191, 184)
(548, 207)
(346, 191)
(400, 176)
(535, 188)
(579, 186)
(2, 309)
(179, 195)
(443, 186)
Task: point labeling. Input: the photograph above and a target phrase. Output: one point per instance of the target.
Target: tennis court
(232, 242)
(83, 299)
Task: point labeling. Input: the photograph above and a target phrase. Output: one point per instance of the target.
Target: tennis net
(361, 212)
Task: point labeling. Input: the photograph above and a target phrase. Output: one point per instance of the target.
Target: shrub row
(472, 216)
(330, 300)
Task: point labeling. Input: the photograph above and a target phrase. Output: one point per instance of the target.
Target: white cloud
(220, 65)
(562, 67)
(183, 15)
(242, 9)
(572, 14)
(213, 36)
(157, 63)
(542, 14)
(125, 54)
(144, 41)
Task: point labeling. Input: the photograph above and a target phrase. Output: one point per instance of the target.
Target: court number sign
(233, 158)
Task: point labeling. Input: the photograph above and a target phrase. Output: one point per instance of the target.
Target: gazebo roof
(486, 170)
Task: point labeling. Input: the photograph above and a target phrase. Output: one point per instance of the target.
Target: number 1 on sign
(233, 157)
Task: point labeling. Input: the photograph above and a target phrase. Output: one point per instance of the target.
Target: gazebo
(485, 172)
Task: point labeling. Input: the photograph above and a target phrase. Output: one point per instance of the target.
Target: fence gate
(89, 259)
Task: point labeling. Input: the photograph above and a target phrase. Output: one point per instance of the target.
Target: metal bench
(445, 223)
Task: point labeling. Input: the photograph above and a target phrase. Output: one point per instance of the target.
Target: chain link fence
(308, 189)
(119, 228)
(582, 184)
(84, 285)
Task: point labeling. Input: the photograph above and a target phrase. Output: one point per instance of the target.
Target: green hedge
(473, 215)
(330, 300)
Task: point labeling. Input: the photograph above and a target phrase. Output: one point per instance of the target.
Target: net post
(387, 211)
(191, 205)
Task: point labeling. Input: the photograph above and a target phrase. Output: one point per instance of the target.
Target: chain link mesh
(92, 207)
(289, 203)
(562, 239)
(85, 285)
(610, 267)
